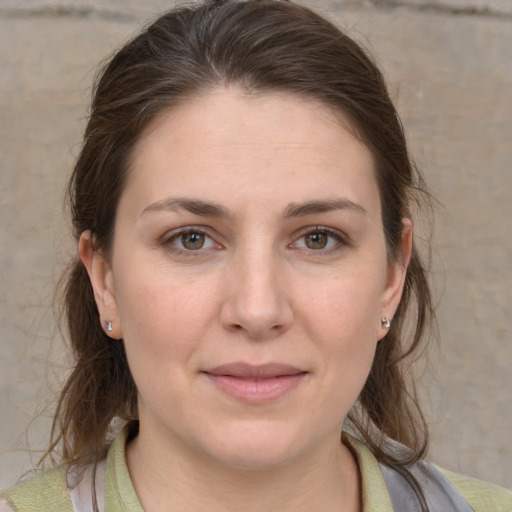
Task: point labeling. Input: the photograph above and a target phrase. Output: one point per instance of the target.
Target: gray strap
(81, 484)
(440, 494)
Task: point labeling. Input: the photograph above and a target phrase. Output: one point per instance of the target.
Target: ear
(100, 274)
(397, 271)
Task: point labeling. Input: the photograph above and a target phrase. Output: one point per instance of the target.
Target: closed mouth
(255, 384)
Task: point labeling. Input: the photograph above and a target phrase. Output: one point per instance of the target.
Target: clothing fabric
(68, 491)
(480, 496)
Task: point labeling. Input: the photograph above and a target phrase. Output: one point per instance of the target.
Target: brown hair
(260, 46)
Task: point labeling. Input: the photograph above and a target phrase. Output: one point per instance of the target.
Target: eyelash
(168, 240)
(339, 240)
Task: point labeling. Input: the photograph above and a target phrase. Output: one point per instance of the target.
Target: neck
(166, 480)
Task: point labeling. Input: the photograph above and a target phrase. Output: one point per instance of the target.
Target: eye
(319, 239)
(191, 240)
(316, 240)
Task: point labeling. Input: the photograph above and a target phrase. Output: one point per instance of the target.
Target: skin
(273, 282)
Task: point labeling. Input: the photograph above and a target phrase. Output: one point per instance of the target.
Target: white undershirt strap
(82, 482)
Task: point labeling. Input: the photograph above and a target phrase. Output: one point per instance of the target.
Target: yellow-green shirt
(49, 491)
(481, 496)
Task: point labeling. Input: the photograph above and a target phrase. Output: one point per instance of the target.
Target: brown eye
(317, 240)
(193, 241)
(321, 240)
(190, 241)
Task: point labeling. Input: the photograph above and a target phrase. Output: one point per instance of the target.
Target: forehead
(227, 141)
(206, 117)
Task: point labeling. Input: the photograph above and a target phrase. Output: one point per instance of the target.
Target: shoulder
(482, 496)
(47, 491)
(383, 487)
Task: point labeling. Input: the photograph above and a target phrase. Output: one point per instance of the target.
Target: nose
(256, 300)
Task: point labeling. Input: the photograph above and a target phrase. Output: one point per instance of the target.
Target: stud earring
(108, 325)
(385, 322)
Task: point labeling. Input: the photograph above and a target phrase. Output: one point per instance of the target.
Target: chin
(257, 447)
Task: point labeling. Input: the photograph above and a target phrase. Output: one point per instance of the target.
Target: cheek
(343, 322)
(346, 305)
(163, 319)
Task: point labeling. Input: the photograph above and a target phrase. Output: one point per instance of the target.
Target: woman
(247, 281)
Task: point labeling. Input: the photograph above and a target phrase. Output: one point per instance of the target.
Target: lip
(255, 384)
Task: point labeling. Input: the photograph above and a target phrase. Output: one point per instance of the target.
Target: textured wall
(449, 64)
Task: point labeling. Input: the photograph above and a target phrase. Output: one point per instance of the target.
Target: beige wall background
(449, 65)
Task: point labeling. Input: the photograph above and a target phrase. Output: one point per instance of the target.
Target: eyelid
(174, 234)
(341, 238)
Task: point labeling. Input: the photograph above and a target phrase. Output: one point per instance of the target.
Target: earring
(385, 322)
(108, 325)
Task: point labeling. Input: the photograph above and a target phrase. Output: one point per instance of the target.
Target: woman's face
(248, 277)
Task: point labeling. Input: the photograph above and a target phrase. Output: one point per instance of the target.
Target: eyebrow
(313, 207)
(208, 209)
(196, 206)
